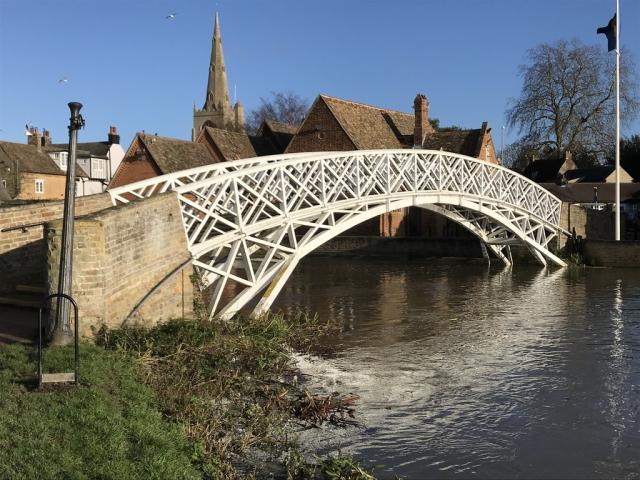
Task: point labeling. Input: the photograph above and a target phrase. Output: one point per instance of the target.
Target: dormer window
(61, 159)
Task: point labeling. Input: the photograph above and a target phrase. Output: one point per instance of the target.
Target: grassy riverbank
(187, 399)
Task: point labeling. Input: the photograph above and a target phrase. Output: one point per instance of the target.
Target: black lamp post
(62, 334)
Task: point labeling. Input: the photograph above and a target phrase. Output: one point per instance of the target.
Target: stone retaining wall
(22, 251)
(120, 255)
(624, 254)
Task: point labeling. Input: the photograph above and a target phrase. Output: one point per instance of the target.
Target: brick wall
(393, 224)
(120, 255)
(320, 132)
(612, 254)
(487, 141)
(22, 252)
(134, 168)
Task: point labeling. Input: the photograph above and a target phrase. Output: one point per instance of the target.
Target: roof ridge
(365, 105)
(145, 136)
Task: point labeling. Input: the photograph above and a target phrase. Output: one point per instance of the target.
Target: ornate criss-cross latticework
(249, 222)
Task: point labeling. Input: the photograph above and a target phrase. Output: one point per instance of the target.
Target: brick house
(334, 124)
(28, 173)
(226, 145)
(151, 155)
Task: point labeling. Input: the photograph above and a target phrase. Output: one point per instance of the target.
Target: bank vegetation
(186, 399)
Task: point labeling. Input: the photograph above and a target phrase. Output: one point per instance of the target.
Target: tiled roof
(172, 155)
(546, 170)
(371, 127)
(596, 174)
(236, 145)
(464, 142)
(282, 133)
(584, 193)
(29, 159)
(282, 127)
(94, 149)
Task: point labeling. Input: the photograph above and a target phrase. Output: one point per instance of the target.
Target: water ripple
(465, 372)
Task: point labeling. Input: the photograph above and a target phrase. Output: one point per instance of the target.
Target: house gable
(320, 131)
(137, 164)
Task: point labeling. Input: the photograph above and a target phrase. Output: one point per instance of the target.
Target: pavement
(18, 325)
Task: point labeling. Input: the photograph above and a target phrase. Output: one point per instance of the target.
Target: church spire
(217, 89)
(217, 111)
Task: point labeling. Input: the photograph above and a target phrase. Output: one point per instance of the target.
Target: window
(98, 168)
(61, 159)
(4, 184)
(63, 156)
(487, 153)
(39, 186)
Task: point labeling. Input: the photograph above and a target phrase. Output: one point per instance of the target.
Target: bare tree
(518, 155)
(281, 107)
(567, 100)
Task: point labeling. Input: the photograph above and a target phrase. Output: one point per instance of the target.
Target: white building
(96, 161)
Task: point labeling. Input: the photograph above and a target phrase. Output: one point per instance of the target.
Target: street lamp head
(77, 121)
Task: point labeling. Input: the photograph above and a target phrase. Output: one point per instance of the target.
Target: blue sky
(133, 69)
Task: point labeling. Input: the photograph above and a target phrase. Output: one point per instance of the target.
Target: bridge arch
(249, 222)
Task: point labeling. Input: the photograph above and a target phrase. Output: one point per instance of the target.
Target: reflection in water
(465, 371)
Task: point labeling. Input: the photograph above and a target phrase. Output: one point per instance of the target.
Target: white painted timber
(249, 222)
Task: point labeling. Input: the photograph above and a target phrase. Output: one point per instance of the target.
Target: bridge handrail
(284, 163)
(225, 166)
(292, 158)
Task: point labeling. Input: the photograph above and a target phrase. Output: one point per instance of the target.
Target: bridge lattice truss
(249, 222)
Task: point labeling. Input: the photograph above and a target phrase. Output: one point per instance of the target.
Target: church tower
(217, 111)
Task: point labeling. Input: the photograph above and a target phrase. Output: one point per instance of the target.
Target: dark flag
(611, 31)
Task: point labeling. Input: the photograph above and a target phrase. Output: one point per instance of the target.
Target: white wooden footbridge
(249, 222)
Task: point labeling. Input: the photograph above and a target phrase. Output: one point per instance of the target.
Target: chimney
(46, 138)
(113, 137)
(422, 125)
(238, 111)
(35, 138)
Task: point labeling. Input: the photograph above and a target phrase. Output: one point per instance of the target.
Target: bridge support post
(275, 287)
(485, 254)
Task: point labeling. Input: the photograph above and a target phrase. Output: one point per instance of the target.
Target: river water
(465, 371)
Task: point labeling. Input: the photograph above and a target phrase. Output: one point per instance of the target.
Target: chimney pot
(113, 136)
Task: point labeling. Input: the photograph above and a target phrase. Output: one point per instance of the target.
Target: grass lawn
(110, 427)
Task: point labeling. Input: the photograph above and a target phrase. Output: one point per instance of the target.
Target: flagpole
(617, 33)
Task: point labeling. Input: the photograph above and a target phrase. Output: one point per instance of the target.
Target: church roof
(172, 155)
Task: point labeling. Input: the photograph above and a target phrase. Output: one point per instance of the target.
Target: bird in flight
(171, 16)
(63, 80)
